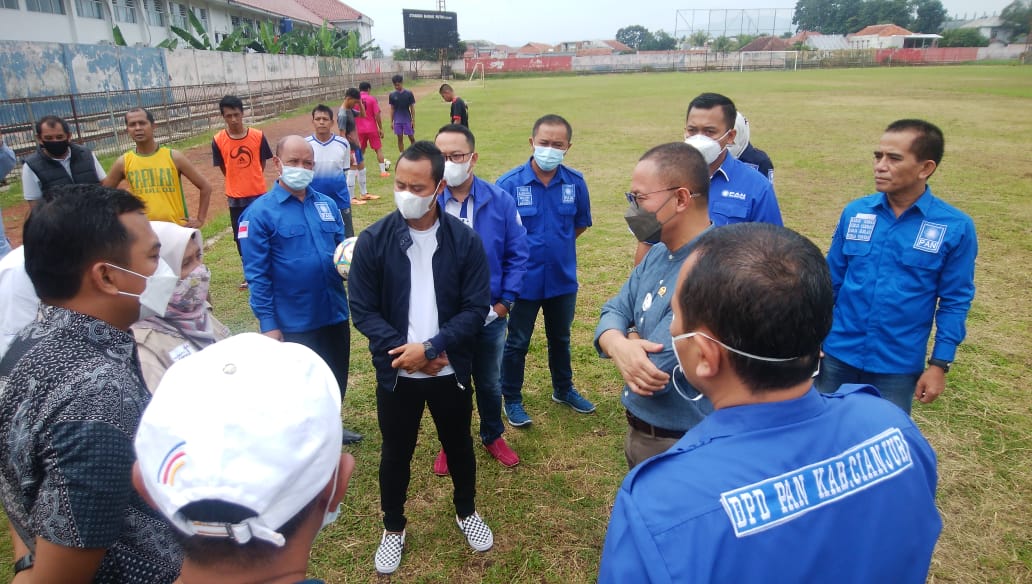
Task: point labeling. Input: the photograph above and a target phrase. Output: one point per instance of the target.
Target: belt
(656, 432)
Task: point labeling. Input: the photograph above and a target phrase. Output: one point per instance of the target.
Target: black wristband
(941, 364)
(24, 563)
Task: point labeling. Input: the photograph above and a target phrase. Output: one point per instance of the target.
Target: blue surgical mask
(548, 158)
(296, 177)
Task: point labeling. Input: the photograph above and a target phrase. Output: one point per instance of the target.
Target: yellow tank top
(155, 179)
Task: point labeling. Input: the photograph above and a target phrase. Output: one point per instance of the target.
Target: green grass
(550, 513)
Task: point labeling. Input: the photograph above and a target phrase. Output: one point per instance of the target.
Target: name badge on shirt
(324, 211)
(524, 197)
(180, 352)
(242, 230)
(929, 237)
(569, 194)
(861, 227)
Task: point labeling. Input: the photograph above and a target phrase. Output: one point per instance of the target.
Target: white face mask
(156, 292)
(456, 173)
(708, 147)
(331, 516)
(296, 177)
(413, 206)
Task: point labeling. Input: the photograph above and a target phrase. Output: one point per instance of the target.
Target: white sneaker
(477, 533)
(388, 555)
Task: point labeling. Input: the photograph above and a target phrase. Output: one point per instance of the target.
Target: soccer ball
(386, 164)
(342, 256)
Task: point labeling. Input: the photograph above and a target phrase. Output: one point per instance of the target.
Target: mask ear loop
(684, 395)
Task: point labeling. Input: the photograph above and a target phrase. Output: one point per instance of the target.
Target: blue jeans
(898, 388)
(558, 313)
(487, 365)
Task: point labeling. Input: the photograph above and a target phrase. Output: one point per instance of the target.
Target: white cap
(741, 136)
(249, 421)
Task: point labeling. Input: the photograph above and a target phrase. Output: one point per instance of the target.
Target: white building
(148, 22)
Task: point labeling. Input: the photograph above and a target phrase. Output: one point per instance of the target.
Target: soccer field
(820, 127)
(549, 514)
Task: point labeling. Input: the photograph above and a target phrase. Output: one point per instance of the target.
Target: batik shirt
(71, 397)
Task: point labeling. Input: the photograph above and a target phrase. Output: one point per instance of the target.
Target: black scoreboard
(428, 29)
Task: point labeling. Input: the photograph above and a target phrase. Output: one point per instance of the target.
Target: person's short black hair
(232, 102)
(426, 150)
(397, 79)
(445, 87)
(324, 109)
(711, 100)
(150, 116)
(681, 165)
(460, 129)
(364, 86)
(765, 290)
(224, 551)
(352, 93)
(929, 142)
(78, 226)
(52, 121)
(553, 120)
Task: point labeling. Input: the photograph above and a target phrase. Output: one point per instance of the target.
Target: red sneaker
(502, 453)
(441, 464)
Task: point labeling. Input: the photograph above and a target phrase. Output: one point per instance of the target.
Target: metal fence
(97, 121)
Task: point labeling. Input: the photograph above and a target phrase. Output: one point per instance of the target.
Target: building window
(202, 15)
(155, 12)
(246, 25)
(179, 16)
(12, 4)
(89, 9)
(49, 6)
(125, 10)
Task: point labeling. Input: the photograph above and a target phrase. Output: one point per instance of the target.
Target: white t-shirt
(423, 315)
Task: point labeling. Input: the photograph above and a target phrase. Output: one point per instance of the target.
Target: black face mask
(57, 149)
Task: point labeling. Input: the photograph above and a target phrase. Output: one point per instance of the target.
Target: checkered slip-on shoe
(477, 533)
(388, 555)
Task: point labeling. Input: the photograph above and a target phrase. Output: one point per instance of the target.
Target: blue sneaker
(574, 400)
(517, 415)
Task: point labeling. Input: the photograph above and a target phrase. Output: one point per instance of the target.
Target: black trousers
(333, 344)
(234, 216)
(399, 413)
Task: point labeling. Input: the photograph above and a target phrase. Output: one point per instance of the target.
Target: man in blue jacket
(491, 212)
(780, 483)
(900, 258)
(420, 288)
(287, 240)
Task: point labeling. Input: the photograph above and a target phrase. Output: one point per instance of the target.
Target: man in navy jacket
(419, 288)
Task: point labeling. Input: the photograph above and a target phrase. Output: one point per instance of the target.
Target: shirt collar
(923, 203)
(721, 170)
(529, 174)
(116, 342)
(748, 418)
(282, 195)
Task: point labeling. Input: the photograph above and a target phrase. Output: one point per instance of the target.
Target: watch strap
(941, 364)
(25, 562)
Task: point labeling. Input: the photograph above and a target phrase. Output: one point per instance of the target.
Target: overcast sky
(515, 22)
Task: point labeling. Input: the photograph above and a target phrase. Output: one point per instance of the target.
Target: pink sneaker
(441, 464)
(502, 453)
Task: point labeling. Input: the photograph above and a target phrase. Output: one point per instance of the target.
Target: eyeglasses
(458, 157)
(634, 198)
(732, 349)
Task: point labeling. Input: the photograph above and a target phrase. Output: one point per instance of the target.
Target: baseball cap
(249, 421)
(741, 136)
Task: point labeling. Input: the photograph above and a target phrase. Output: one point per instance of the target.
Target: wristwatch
(507, 304)
(941, 364)
(429, 351)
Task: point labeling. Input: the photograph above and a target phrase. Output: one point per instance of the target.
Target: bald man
(287, 239)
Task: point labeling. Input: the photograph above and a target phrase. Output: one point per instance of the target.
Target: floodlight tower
(442, 54)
